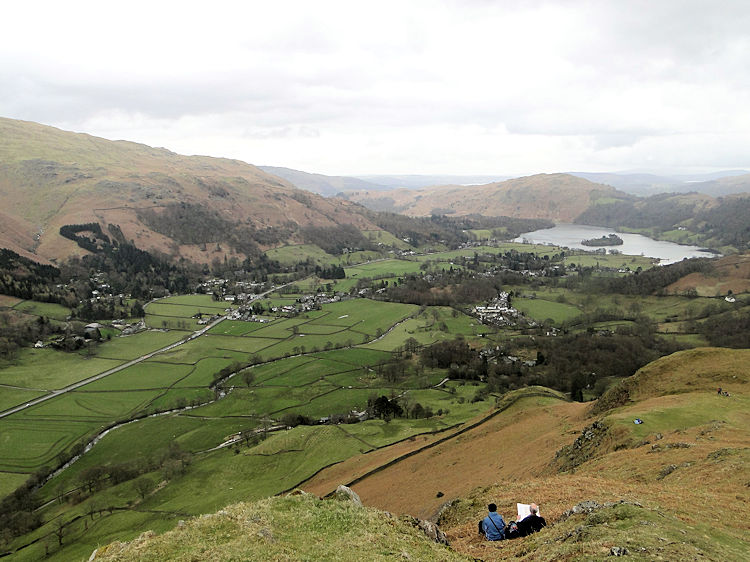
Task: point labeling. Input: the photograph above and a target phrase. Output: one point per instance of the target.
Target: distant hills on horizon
(716, 184)
(203, 209)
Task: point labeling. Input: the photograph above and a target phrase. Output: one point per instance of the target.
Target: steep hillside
(690, 218)
(665, 210)
(730, 274)
(50, 178)
(674, 487)
(683, 472)
(433, 470)
(557, 197)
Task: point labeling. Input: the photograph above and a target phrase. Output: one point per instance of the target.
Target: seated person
(493, 526)
(531, 523)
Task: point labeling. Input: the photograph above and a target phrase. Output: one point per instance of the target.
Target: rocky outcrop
(583, 448)
(344, 493)
(590, 506)
(432, 531)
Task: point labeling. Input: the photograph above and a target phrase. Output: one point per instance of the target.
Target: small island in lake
(609, 240)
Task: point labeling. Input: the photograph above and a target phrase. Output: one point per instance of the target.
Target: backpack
(511, 530)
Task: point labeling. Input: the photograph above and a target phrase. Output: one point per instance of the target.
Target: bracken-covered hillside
(179, 205)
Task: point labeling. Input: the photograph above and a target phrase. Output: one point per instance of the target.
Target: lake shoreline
(568, 235)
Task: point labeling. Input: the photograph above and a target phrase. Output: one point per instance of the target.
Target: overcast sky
(433, 87)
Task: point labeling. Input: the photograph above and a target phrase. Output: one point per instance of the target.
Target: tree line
(725, 222)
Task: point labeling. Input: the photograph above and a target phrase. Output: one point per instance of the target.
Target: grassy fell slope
(730, 273)
(557, 197)
(672, 488)
(297, 527)
(686, 466)
(456, 463)
(683, 473)
(49, 178)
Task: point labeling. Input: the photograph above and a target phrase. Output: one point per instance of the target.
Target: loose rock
(345, 493)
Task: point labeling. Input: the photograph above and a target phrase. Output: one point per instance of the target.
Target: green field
(10, 396)
(162, 308)
(145, 375)
(171, 323)
(201, 373)
(48, 369)
(89, 406)
(195, 300)
(437, 324)
(136, 345)
(183, 373)
(377, 269)
(235, 328)
(500, 248)
(289, 255)
(541, 310)
(10, 481)
(127, 443)
(486, 234)
(354, 258)
(306, 372)
(386, 238)
(559, 304)
(202, 348)
(322, 382)
(316, 364)
(481, 234)
(618, 261)
(27, 444)
(179, 397)
(48, 309)
(317, 384)
(357, 356)
(176, 313)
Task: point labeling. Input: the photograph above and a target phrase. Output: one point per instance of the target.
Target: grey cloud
(281, 132)
(607, 76)
(614, 140)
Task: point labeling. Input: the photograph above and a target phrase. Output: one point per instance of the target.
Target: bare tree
(143, 486)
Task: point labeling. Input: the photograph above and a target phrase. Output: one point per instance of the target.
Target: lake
(571, 235)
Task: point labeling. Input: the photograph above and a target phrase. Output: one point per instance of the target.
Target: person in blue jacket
(493, 525)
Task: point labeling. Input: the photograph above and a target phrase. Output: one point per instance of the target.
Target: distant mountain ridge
(556, 197)
(319, 183)
(332, 185)
(50, 178)
(717, 184)
(419, 181)
(688, 218)
(202, 209)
